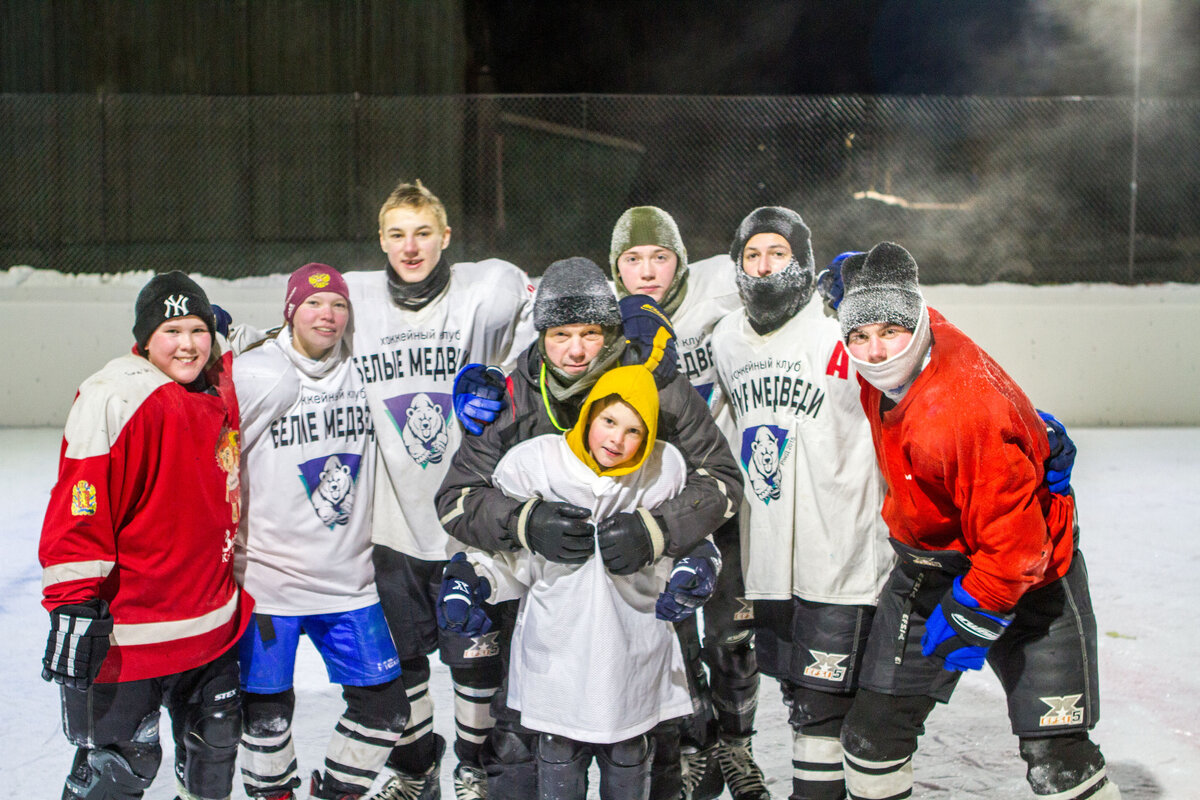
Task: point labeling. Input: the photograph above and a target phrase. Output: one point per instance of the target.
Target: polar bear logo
(424, 432)
(333, 498)
(764, 464)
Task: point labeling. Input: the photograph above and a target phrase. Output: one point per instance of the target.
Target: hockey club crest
(483, 646)
(763, 450)
(329, 482)
(423, 422)
(1063, 711)
(827, 667)
(83, 499)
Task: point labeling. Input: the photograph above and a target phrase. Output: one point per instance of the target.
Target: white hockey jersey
(811, 523)
(711, 294)
(408, 360)
(589, 659)
(304, 544)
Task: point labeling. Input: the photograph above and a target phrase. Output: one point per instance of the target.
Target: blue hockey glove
(829, 282)
(478, 393)
(460, 602)
(692, 582)
(224, 320)
(626, 542)
(1062, 455)
(77, 644)
(960, 632)
(650, 337)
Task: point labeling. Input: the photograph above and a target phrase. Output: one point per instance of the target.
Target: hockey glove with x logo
(692, 582)
(460, 602)
(650, 336)
(478, 396)
(961, 632)
(1062, 455)
(77, 644)
(559, 532)
(629, 542)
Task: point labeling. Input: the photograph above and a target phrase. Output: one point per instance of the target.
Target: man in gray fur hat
(990, 569)
(579, 338)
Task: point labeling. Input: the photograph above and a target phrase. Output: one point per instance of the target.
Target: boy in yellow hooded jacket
(592, 669)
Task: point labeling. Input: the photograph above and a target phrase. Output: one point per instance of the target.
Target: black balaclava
(772, 300)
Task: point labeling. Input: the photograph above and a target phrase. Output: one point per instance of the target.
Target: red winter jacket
(144, 515)
(963, 457)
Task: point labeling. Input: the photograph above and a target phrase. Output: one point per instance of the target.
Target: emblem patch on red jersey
(83, 499)
(1063, 711)
(228, 457)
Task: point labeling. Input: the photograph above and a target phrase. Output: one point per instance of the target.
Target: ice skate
(470, 782)
(318, 788)
(701, 769)
(742, 775)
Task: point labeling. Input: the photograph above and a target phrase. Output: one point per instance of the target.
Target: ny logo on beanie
(175, 305)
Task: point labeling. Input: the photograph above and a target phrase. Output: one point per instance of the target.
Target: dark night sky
(996, 47)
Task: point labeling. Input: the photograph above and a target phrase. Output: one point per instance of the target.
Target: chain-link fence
(979, 189)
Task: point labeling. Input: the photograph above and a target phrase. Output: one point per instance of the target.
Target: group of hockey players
(543, 486)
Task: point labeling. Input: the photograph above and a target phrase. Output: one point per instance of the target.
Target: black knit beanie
(880, 286)
(167, 296)
(774, 299)
(574, 291)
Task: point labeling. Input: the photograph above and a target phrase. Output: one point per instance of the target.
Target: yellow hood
(633, 384)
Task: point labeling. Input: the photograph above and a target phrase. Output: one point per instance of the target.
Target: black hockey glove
(557, 531)
(629, 542)
(961, 632)
(77, 644)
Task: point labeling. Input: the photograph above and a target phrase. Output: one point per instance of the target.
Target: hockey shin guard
(268, 756)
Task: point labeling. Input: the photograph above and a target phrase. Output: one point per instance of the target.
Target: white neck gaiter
(894, 376)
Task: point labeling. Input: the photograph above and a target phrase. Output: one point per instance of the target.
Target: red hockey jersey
(144, 515)
(963, 457)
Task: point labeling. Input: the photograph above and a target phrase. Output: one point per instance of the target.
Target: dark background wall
(714, 47)
(999, 138)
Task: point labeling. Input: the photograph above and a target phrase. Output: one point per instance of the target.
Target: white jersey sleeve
(266, 386)
(712, 293)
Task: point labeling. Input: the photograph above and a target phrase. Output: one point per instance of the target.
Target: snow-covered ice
(1140, 515)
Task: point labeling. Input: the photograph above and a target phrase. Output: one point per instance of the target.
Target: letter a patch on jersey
(1064, 710)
